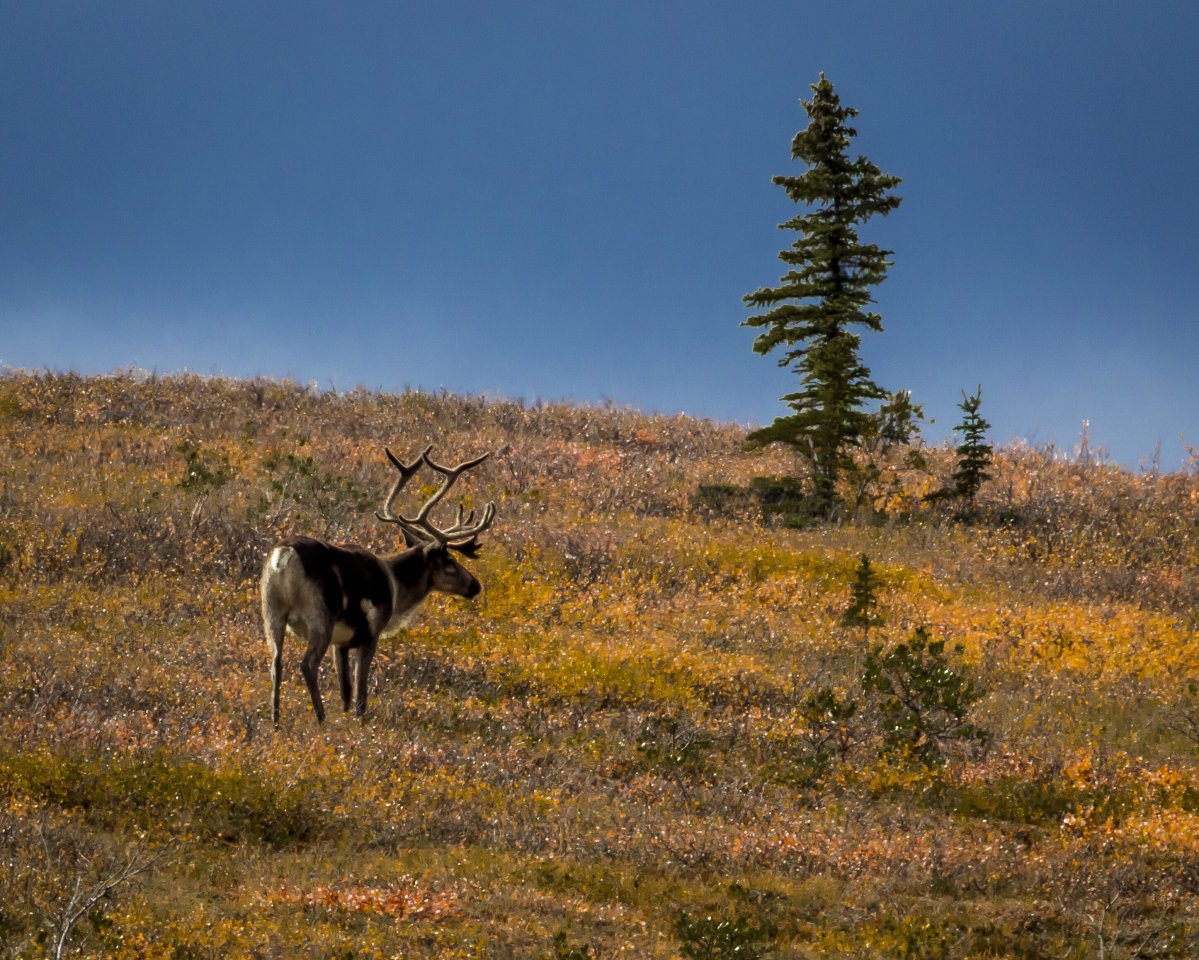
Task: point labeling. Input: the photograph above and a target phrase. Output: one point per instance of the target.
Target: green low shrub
(159, 792)
(922, 699)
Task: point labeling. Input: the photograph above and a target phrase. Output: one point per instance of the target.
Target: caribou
(347, 597)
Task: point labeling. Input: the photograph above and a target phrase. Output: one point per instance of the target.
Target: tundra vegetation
(655, 734)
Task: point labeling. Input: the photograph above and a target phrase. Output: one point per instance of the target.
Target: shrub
(159, 792)
(784, 500)
(199, 471)
(829, 732)
(712, 938)
(713, 500)
(54, 876)
(332, 497)
(921, 697)
(1036, 801)
(565, 950)
(671, 740)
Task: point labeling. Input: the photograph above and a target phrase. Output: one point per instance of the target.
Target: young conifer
(863, 599)
(824, 297)
(974, 451)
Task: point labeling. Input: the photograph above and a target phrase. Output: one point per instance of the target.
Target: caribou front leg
(366, 653)
(342, 656)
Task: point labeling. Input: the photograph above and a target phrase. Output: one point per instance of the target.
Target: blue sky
(564, 200)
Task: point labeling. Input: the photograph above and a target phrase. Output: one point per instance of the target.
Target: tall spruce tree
(824, 297)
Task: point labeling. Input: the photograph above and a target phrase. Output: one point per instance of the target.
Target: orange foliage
(618, 728)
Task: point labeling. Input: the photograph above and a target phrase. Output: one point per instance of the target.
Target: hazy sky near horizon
(555, 200)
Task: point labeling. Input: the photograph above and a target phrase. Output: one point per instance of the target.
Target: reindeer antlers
(463, 534)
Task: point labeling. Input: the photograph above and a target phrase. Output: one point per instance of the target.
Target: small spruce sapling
(863, 599)
(974, 452)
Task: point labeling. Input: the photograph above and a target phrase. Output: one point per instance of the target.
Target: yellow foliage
(620, 727)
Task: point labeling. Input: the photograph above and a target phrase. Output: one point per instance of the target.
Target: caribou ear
(468, 548)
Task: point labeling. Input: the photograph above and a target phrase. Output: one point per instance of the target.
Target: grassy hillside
(636, 743)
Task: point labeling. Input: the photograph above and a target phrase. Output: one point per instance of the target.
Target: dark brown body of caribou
(347, 597)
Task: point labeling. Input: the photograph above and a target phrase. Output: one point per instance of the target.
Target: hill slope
(636, 728)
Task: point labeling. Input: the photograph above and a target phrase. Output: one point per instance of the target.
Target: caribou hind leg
(275, 626)
(318, 644)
